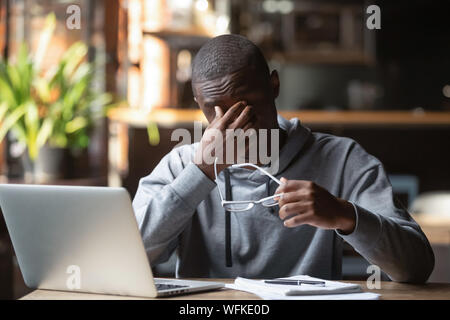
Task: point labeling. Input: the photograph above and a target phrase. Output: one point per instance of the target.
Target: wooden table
(388, 291)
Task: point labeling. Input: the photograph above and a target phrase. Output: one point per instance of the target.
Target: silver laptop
(83, 239)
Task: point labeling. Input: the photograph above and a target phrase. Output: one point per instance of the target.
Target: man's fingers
(244, 118)
(233, 112)
(294, 208)
(297, 220)
(291, 185)
(248, 126)
(219, 112)
(295, 196)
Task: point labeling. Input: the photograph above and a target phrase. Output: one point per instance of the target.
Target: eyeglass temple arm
(215, 172)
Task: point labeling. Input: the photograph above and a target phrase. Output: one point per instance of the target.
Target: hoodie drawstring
(271, 209)
(228, 197)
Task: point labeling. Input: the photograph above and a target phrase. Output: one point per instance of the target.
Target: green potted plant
(51, 113)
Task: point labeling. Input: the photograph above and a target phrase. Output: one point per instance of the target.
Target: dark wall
(422, 152)
(413, 53)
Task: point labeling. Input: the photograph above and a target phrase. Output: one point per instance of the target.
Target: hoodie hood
(297, 136)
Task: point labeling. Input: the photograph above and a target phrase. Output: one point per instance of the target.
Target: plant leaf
(43, 89)
(76, 124)
(3, 110)
(11, 119)
(73, 57)
(153, 134)
(44, 40)
(44, 132)
(14, 77)
(7, 93)
(32, 127)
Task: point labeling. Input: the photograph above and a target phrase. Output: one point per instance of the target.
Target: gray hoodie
(178, 208)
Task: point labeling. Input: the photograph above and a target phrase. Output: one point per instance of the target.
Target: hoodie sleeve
(385, 234)
(165, 202)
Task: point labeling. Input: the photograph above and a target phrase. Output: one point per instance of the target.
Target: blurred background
(90, 92)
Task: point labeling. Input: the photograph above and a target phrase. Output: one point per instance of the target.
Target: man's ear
(195, 99)
(275, 83)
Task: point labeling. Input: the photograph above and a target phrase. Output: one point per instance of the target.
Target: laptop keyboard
(164, 286)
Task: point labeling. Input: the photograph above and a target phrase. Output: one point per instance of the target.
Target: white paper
(333, 290)
(342, 296)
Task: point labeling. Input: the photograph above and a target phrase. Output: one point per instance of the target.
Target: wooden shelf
(371, 118)
(166, 33)
(171, 117)
(89, 181)
(435, 227)
(162, 116)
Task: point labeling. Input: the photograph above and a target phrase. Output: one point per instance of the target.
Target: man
(331, 190)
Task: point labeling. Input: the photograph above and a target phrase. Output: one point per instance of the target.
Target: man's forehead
(226, 88)
(225, 83)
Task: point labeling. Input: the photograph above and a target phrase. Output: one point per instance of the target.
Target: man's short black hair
(227, 54)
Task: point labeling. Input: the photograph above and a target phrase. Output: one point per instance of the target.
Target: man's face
(244, 85)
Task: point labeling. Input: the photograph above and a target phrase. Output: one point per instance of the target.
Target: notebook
(331, 289)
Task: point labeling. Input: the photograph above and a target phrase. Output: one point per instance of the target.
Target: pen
(295, 282)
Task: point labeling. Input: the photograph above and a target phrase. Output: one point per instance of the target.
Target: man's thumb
(218, 112)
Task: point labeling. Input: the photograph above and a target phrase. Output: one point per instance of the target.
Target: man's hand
(304, 202)
(238, 116)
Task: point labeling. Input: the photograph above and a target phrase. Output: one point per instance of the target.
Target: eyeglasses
(237, 206)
